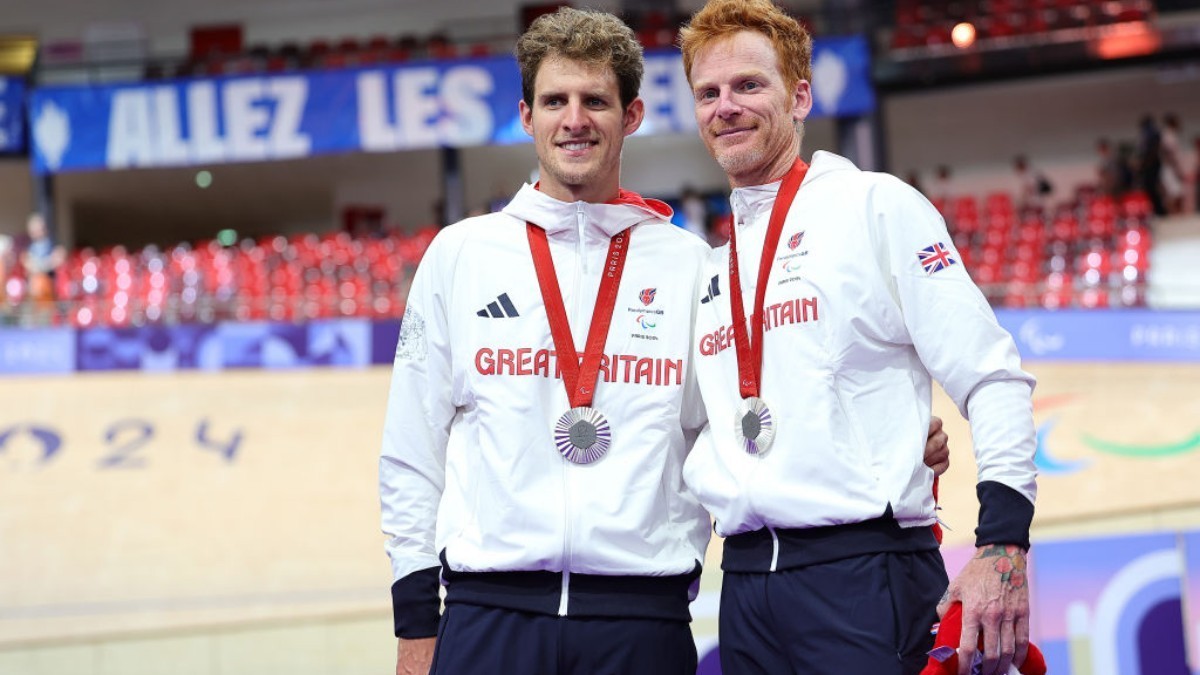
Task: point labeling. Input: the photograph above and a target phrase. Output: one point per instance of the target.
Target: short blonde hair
(720, 19)
(584, 36)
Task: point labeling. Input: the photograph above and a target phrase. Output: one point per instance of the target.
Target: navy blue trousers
(867, 615)
(475, 640)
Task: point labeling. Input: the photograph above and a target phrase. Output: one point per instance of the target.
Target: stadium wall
(16, 195)
(1055, 121)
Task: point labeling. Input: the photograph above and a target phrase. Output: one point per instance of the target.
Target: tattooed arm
(995, 598)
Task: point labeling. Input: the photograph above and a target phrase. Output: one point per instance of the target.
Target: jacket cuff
(1004, 515)
(415, 604)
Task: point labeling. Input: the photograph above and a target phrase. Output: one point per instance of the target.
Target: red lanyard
(749, 353)
(580, 379)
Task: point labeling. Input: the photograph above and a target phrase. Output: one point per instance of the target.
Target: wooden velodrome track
(185, 500)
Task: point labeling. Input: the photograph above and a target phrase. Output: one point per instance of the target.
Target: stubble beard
(571, 176)
(749, 160)
(740, 162)
(577, 177)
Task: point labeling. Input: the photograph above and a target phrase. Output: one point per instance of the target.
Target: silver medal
(754, 426)
(582, 435)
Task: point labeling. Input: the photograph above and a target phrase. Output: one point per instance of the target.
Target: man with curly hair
(555, 516)
(843, 299)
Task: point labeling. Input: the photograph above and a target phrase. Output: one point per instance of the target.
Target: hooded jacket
(867, 305)
(470, 479)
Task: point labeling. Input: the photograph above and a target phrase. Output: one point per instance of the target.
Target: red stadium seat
(1056, 298)
(319, 48)
(1018, 294)
(995, 238)
(1094, 298)
(1097, 258)
(1100, 228)
(964, 206)
(1136, 205)
(439, 47)
(1065, 229)
(1032, 233)
(1000, 203)
(1029, 252)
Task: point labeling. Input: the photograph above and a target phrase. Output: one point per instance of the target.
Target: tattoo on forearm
(1009, 562)
(945, 597)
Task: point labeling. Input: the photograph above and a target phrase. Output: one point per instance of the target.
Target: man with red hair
(837, 302)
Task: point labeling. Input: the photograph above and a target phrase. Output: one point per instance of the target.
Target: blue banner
(338, 342)
(841, 77)
(12, 115)
(1065, 335)
(1114, 335)
(37, 350)
(376, 109)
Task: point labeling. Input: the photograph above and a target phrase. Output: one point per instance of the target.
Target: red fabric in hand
(950, 634)
(937, 527)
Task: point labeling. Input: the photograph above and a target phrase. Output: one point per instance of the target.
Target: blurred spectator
(1114, 168)
(1196, 173)
(41, 260)
(1032, 186)
(1124, 168)
(914, 180)
(1106, 167)
(1174, 176)
(498, 200)
(943, 185)
(6, 247)
(1149, 164)
(437, 210)
(718, 230)
(695, 212)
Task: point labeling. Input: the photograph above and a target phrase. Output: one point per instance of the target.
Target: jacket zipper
(580, 223)
(774, 548)
(580, 272)
(739, 211)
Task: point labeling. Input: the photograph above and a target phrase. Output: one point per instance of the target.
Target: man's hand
(414, 657)
(995, 597)
(937, 447)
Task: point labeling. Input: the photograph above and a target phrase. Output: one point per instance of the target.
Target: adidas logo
(713, 290)
(500, 309)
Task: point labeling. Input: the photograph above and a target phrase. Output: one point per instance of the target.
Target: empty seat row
(1090, 252)
(929, 24)
(276, 278)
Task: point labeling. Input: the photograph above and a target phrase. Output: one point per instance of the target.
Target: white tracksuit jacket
(469, 469)
(856, 330)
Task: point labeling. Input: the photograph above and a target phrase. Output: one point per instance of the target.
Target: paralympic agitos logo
(1049, 464)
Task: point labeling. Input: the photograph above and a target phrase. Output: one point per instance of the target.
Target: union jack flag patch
(935, 258)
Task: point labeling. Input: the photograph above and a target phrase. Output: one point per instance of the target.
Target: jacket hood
(825, 163)
(628, 209)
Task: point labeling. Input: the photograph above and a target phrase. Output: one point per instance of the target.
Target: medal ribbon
(749, 353)
(580, 379)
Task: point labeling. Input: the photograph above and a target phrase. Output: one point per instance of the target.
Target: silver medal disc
(754, 426)
(582, 435)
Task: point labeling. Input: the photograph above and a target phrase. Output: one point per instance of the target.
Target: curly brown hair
(722, 18)
(585, 36)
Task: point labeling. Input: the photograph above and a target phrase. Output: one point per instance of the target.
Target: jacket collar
(749, 202)
(554, 216)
